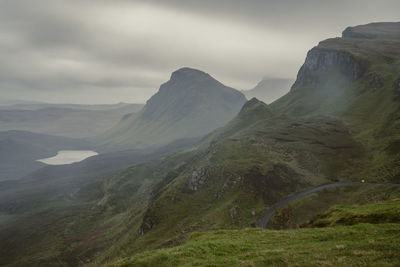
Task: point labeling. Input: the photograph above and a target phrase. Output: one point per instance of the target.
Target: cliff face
(351, 55)
(321, 62)
(355, 78)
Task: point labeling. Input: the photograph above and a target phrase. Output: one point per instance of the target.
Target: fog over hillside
(102, 52)
(199, 133)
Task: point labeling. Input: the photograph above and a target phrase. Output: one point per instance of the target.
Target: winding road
(269, 213)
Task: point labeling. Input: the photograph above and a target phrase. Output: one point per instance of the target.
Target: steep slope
(190, 104)
(269, 89)
(299, 212)
(356, 79)
(369, 238)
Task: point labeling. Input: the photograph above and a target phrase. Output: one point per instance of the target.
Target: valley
(184, 179)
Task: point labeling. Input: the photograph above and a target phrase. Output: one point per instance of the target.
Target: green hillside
(339, 122)
(357, 80)
(301, 211)
(358, 245)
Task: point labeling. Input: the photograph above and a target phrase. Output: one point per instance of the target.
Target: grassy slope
(246, 171)
(370, 113)
(331, 131)
(338, 245)
(357, 245)
(376, 213)
(72, 229)
(301, 211)
(315, 135)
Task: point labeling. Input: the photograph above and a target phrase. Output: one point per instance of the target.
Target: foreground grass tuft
(356, 245)
(362, 244)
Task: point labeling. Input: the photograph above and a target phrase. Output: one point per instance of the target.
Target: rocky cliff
(321, 61)
(350, 56)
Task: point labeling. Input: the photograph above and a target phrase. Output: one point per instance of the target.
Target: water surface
(68, 157)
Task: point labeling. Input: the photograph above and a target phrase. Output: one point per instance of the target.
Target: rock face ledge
(350, 55)
(321, 61)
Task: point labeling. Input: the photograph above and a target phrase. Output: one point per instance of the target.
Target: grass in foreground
(383, 212)
(363, 244)
(303, 210)
(358, 245)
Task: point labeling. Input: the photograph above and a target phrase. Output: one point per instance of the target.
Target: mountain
(76, 121)
(191, 104)
(356, 79)
(339, 122)
(269, 89)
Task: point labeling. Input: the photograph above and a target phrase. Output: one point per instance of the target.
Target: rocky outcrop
(320, 62)
(197, 178)
(350, 32)
(149, 221)
(375, 81)
(253, 108)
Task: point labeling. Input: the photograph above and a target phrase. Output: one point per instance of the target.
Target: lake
(68, 157)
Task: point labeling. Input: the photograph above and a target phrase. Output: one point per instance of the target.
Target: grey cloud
(102, 51)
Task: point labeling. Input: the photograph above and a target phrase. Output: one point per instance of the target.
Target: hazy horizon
(87, 52)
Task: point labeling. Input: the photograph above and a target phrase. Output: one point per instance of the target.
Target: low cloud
(110, 51)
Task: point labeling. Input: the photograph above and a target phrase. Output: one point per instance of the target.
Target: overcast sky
(86, 51)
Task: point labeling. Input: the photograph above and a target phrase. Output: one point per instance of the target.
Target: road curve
(269, 213)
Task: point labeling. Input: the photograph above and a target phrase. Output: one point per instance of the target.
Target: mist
(121, 51)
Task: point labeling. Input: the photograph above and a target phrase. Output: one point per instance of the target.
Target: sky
(109, 51)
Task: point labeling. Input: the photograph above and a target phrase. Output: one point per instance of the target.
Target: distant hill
(269, 89)
(21, 105)
(19, 151)
(67, 120)
(190, 104)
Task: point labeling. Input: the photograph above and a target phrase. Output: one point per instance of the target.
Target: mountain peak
(190, 74)
(269, 89)
(254, 108)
